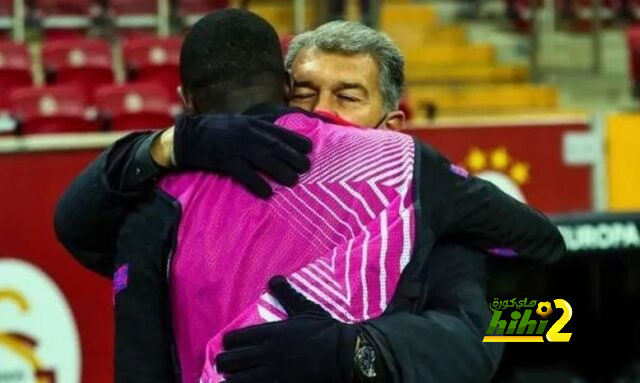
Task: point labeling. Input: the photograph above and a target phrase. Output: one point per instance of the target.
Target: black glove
(309, 347)
(239, 146)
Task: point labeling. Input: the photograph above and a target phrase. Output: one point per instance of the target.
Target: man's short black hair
(227, 49)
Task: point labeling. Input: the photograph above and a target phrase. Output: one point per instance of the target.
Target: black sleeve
(462, 208)
(90, 212)
(142, 306)
(444, 342)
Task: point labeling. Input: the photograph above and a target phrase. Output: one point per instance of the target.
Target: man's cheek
(306, 105)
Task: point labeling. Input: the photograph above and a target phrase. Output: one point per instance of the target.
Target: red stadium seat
(202, 6)
(138, 106)
(51, 34)
(134, 7)
(151, 59)
(50, 110)
(15, 70)
(85, 63)
(633, 43)
(131, 34)
(74, 10)
(6, 7)
(65, 7)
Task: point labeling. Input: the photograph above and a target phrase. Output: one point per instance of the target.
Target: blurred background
(537, 96)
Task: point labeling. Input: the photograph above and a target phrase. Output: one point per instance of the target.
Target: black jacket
(431, 331)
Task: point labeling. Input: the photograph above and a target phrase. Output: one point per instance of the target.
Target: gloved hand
(239, 146)
(309, 347)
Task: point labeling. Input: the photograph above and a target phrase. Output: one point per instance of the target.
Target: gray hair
(350, 37)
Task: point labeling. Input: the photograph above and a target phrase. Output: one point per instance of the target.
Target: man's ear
(395, 120)
(186, 101)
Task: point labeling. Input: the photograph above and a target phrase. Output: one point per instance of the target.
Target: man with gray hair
(350, 71)
(431, 329)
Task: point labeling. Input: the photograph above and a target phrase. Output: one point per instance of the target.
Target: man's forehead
(316, 65)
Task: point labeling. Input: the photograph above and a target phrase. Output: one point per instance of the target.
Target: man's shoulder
(424, 148)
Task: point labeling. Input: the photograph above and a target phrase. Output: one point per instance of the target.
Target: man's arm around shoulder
(465, 209)
(90, 212)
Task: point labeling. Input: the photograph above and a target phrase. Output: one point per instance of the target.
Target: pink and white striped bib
(342, 237)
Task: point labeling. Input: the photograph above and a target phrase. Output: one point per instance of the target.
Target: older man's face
(344, 85)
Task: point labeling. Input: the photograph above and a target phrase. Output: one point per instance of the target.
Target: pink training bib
(342, 237)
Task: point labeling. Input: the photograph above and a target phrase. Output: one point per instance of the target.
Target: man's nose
(325, 112)
(324, 104)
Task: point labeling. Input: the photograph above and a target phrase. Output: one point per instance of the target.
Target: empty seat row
(479, 99)
(467, 74)
(443, 55)
(409, 15)
(64, 108)
(118, 7)
(427, 35)
(583, 8)
(15, 69)
(574, 14)
(87, 64)
(6, 7)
